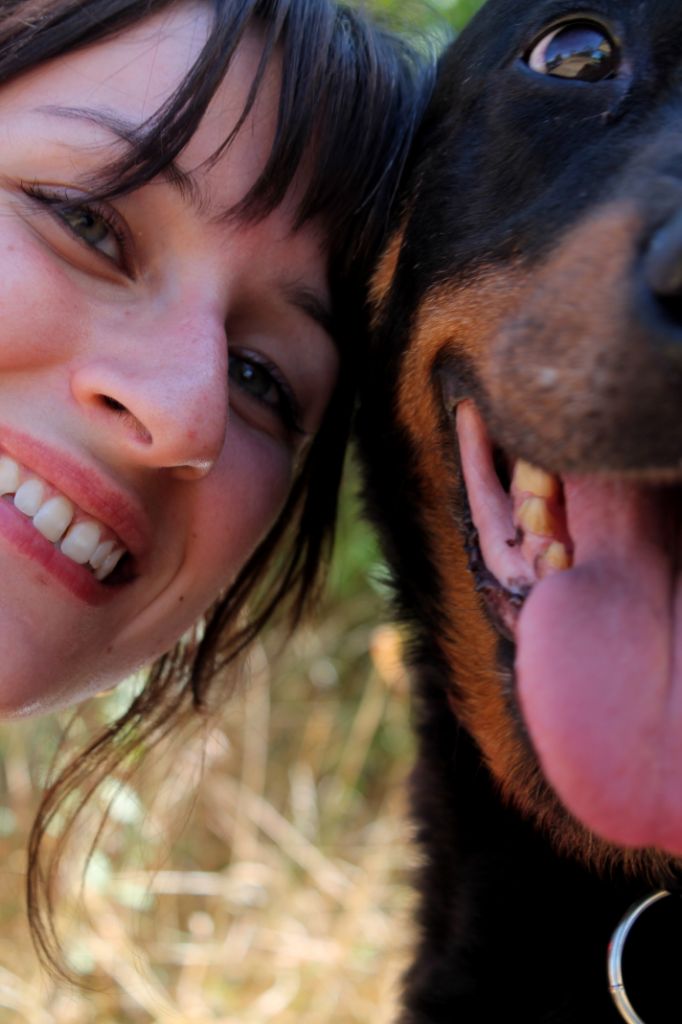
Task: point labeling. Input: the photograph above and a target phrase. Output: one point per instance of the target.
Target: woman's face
(161, 367)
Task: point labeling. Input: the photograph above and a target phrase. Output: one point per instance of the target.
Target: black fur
(505, 163)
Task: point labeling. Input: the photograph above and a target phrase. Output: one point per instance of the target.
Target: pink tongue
(599, 668)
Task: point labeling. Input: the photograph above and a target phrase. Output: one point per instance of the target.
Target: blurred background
(260, 871)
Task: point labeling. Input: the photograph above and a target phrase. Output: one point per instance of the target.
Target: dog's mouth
(520, 522)
(583, 573)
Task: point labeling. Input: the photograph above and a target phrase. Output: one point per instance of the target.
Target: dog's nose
(663, 260)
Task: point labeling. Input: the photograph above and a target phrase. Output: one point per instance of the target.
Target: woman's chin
(47, 657)
(28, 686)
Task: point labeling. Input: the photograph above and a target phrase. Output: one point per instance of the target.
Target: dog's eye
(579, 50)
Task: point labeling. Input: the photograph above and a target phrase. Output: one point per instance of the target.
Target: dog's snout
(663, 260)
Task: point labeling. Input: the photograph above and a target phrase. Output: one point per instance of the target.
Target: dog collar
(615, 956)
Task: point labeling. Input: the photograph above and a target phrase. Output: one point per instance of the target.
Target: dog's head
(529, 362)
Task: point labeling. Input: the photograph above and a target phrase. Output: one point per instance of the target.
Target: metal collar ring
(615, 956)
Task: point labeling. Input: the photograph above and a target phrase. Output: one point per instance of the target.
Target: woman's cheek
(41, 318)
(238, 502)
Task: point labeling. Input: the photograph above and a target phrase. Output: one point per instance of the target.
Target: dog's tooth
(535, 516)
(533, 480)
(556, 558)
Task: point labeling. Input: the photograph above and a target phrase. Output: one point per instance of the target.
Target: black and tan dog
(522, 433)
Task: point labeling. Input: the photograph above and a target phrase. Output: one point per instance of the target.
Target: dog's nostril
(663, 260)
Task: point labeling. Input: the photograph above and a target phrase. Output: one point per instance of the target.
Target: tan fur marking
(562, 373)
(461, 320)
(382, 279)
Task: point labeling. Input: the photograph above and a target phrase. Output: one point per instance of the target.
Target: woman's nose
(159, 395)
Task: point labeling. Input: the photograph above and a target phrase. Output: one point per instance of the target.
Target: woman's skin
(114, 358)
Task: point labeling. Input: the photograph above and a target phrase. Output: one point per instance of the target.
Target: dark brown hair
(351, 95)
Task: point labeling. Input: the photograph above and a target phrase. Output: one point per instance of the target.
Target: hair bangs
(339, 104)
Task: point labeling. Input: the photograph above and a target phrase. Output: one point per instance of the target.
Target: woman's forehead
(106, 94)
(136, 70)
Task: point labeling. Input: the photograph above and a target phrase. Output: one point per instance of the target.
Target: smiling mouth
(79, 537)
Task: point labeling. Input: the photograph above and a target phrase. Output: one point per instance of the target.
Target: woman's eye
(579, 50)
(94, 229)
(97, 225)
(263, 382)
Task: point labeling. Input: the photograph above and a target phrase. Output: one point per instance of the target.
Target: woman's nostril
(112, 404)
(138, 429)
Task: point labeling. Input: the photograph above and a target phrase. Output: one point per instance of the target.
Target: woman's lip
(23, 536)
(83, 484)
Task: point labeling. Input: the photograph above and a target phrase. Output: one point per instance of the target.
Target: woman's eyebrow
(132, 133)
(310, 303)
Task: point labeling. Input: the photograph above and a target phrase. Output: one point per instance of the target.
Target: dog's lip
(645, 474)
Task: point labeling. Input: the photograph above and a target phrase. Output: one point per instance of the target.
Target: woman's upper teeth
(81, 538)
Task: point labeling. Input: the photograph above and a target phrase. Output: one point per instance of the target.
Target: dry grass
(259, 873)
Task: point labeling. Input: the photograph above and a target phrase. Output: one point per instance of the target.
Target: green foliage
(420, 14)
(461, 11)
